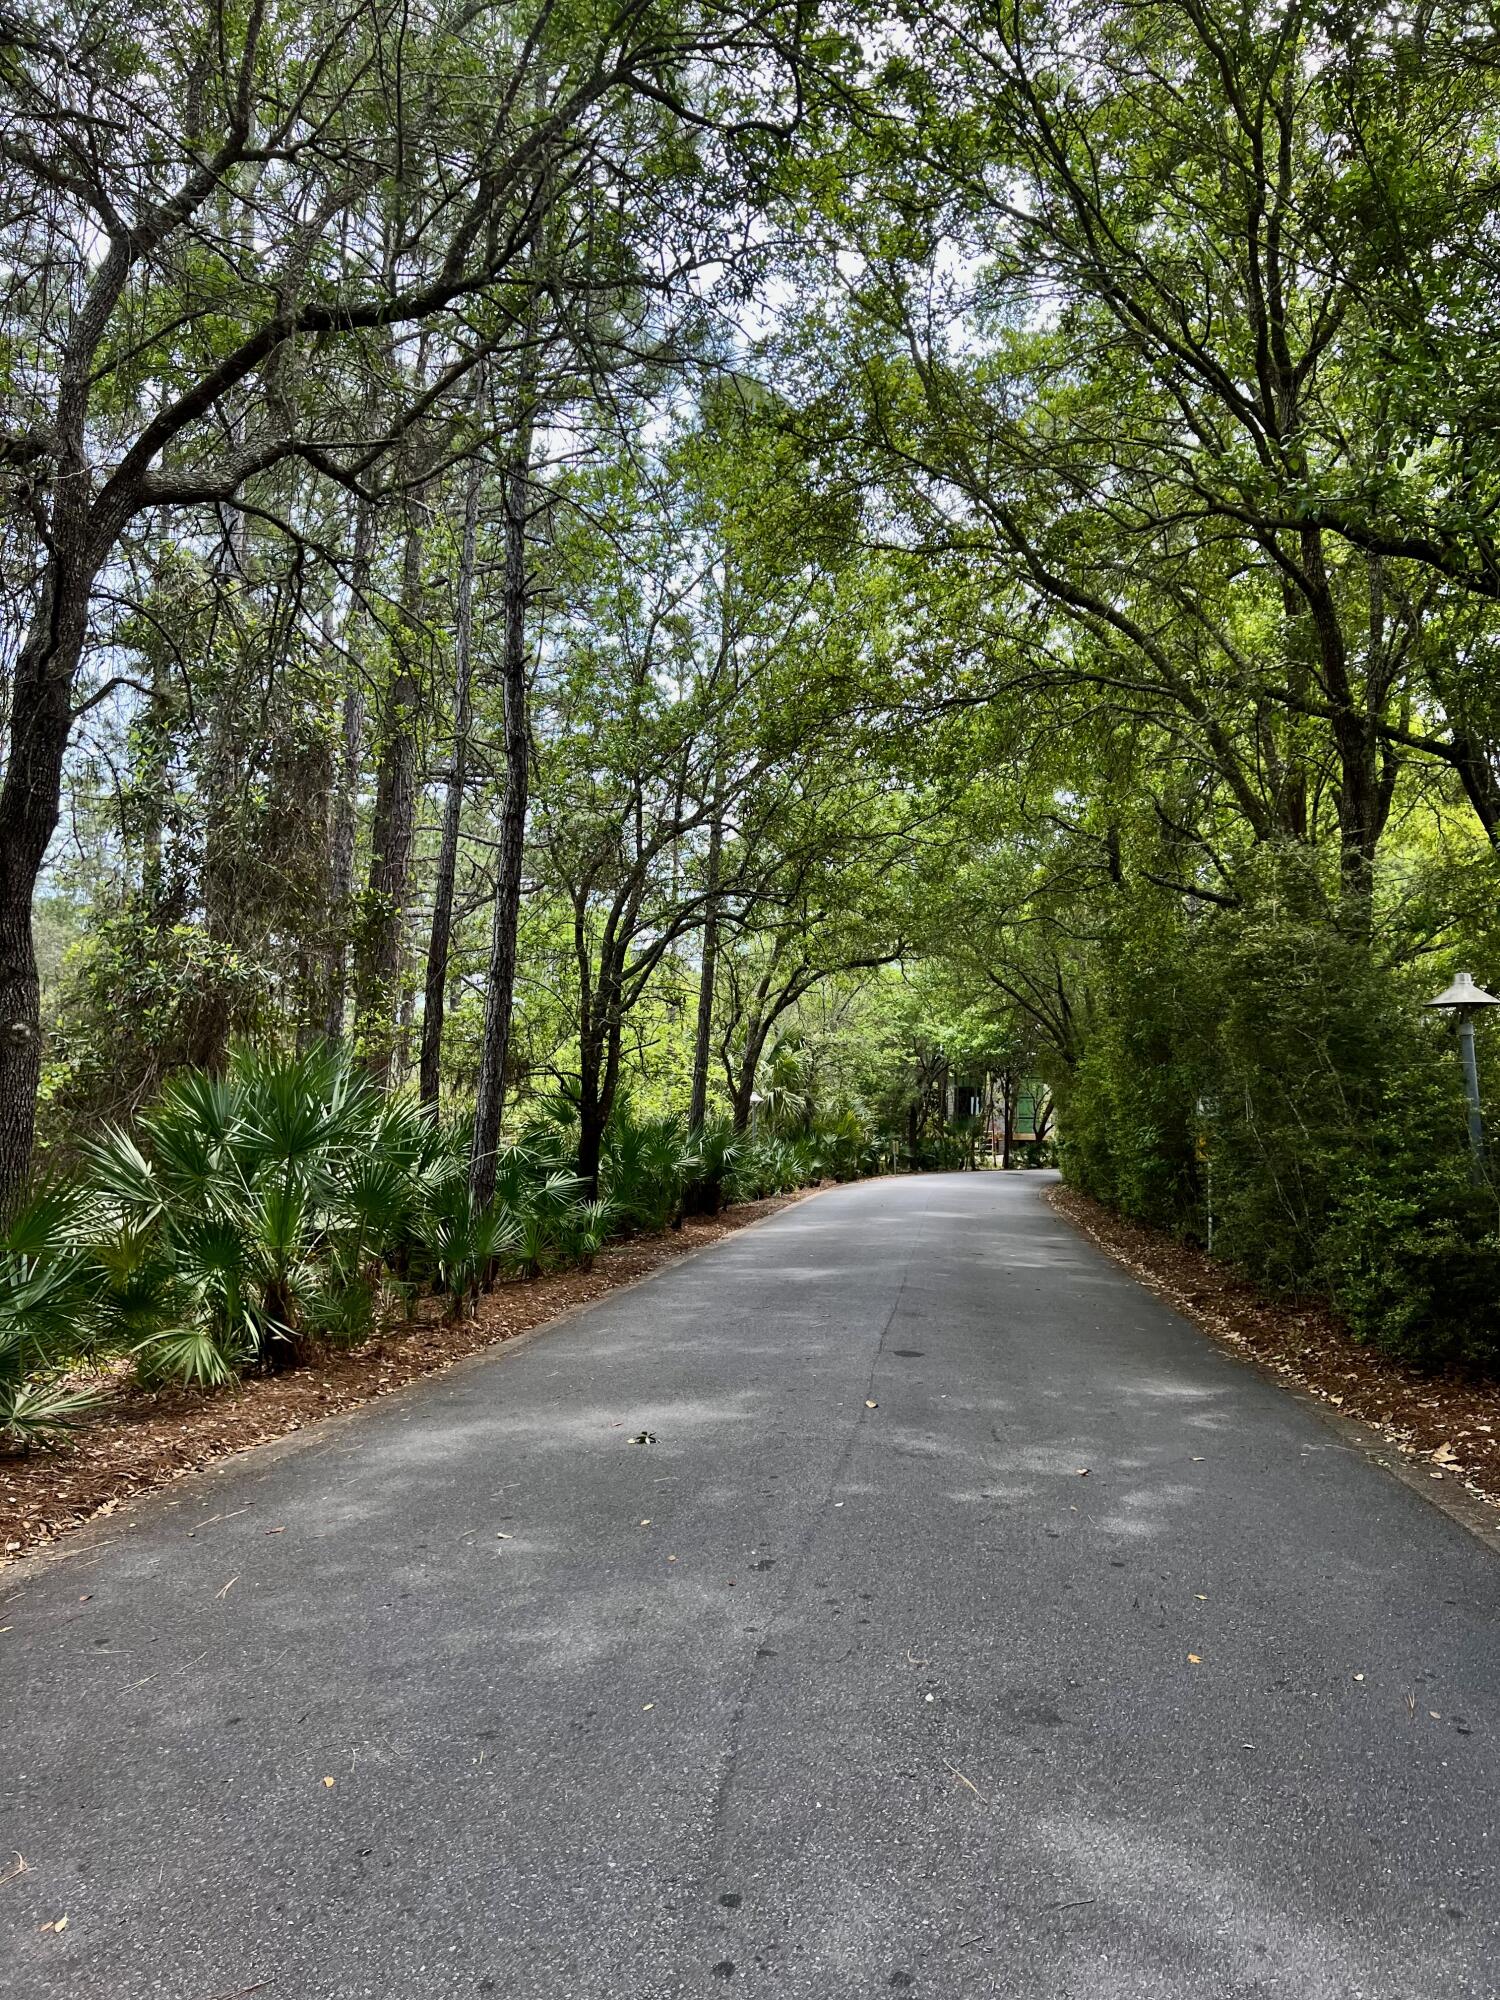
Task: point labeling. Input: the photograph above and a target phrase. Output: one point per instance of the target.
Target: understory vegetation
(608, 611)
(284, 1203)
(1262, 1085)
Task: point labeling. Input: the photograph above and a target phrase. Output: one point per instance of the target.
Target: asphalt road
(853, 1683)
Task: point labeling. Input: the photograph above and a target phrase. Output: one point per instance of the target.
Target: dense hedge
(1262, 1069)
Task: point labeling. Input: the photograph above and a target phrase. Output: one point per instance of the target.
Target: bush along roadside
(252, 1219)
(1266, 1083)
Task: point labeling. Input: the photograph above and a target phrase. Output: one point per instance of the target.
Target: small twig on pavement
(219, 1517)
(22, 1867)
(224, 1593)
(967, 1781)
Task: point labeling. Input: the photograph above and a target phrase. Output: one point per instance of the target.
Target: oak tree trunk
(30, 800)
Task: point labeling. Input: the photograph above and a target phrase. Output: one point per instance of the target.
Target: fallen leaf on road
(648, 1707)
(1445, 1455)
(1359, 1677)
(1082, 1472)
(57, 1924)
(329, 1783)
(503, 1538)
(1195, 1659)
(276, 1531)
(871, 1406)
(642, 1437)
(647, 1522)
(1201, 1595)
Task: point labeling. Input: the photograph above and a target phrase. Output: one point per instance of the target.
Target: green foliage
(647, 1168)
(286, 1201)
(1127, 1108)
(1263, 1071)
(766, 1163)
(139, 999)
(715, 1148)
(44, 1289)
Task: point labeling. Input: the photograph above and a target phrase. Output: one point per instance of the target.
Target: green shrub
(46, 1288)
(1266, 1062)
(646, 1169)
(286, 1201)
(715, 1147)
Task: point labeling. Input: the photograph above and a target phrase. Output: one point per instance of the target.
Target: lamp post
(1463, 999)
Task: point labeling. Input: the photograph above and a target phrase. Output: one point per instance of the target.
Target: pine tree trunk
(489, 1107)
(698, 1109)
(150, 780)
(220, 886)
(380, 945)
(317, 780)
(343, 824)
(435, 991)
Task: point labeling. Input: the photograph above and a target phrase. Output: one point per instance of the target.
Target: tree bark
(30, 800)
(698, 1107)
(343, 824)
(596, 1075)
(743, 1088)
(379, 947)
(439, 941)
(499, 1000)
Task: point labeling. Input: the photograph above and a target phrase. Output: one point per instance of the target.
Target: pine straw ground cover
(136, 1439)
(1447, 1423)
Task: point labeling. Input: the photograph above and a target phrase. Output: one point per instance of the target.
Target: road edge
(1469, 1508)
(88, 1535)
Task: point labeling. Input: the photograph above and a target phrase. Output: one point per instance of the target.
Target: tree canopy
(760, 567)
